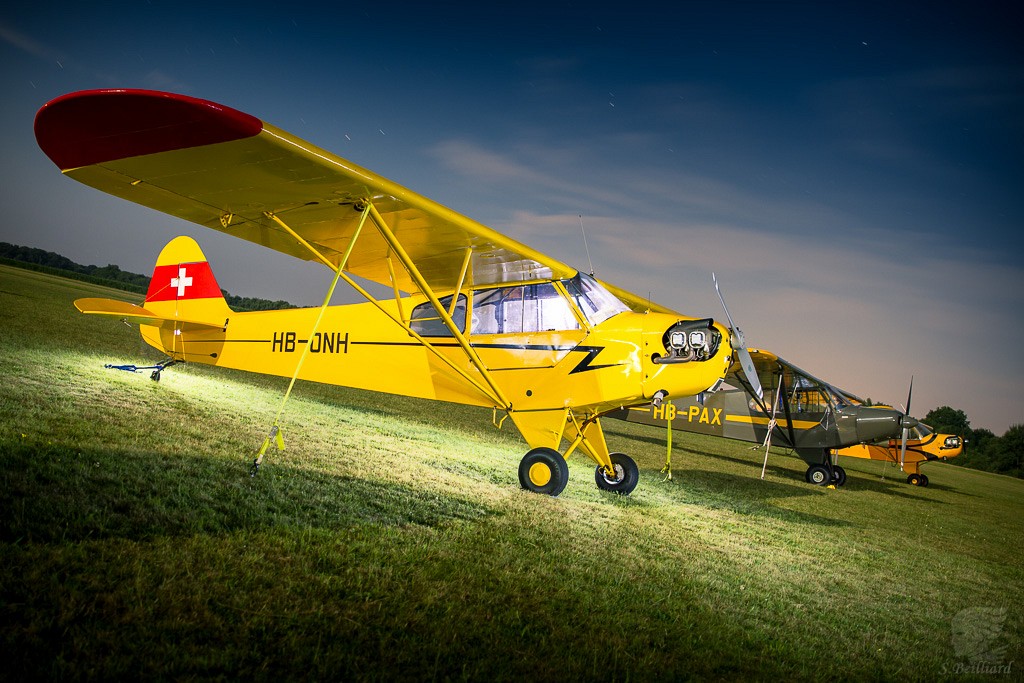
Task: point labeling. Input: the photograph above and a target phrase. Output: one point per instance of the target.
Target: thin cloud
(858, 317)
(28, 45)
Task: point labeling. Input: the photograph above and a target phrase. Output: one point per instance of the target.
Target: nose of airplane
(874, 424)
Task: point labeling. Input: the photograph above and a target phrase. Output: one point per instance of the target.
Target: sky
(851, 172)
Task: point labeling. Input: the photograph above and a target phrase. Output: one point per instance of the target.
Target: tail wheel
(543, 470)
(819, 475)
(627, 475)
(838, 475)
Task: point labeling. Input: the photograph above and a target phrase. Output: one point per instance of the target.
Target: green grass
(390, 540)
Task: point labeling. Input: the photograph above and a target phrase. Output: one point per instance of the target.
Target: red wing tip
(95, 126)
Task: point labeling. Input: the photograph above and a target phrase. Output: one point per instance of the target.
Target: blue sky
(851, 171)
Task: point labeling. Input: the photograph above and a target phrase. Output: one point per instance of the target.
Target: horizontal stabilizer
(139, 315)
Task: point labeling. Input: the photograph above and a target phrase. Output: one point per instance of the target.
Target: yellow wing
(229, 171)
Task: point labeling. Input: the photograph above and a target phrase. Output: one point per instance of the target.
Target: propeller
(905, 422)
(739, 343)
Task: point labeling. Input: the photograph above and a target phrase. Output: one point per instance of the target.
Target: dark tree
(946, 420)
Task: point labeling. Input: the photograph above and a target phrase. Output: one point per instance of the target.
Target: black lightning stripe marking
(585, 364)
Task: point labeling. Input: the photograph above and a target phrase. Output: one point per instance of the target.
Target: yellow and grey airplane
(477, 317)
(810, 416)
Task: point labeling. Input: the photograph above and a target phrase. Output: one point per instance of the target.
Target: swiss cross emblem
(181, 282)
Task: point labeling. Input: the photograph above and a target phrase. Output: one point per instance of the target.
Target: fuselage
(545, 348)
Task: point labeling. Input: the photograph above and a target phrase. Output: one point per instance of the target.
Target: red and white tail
(183, 294)
(183, 286)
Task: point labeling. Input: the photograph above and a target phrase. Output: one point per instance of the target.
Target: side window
(810, 399)
(426, 321)
(526, 308)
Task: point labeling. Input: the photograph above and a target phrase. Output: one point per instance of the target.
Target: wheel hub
(540, 474)
(620, 473)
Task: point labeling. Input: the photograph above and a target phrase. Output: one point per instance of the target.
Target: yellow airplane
(477, 318)
(923, 445)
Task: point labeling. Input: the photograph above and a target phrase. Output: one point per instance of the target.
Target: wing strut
(428, 291)
(771, 428)
(491, 391)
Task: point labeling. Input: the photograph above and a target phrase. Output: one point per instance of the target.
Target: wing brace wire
(276, 434)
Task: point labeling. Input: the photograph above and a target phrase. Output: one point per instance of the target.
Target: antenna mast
(589, 262)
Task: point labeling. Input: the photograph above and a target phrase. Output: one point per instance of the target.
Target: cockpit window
(810, 397)
(525, 308)
(596, 302)
(426, 321)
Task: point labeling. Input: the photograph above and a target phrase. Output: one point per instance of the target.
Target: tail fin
(183, 286)
(183, 294)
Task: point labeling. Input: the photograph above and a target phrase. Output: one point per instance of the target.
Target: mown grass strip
(390, 540)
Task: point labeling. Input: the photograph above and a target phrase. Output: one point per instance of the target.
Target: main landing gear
(917, 479)
(544, 470)
(823, 475)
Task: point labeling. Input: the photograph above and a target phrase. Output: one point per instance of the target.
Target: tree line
(983, 450)
(110, 275)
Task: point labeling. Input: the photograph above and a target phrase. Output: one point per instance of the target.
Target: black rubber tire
(914, 479)
(543, 470)
(838, 475)
(819, 475)
(924, 480)
(626, 471)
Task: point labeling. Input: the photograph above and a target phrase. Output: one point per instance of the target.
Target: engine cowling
(689, 340)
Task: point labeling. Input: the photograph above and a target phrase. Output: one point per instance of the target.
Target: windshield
(838, 397)
(596, 302)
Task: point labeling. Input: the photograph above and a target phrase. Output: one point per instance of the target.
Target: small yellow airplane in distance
(812, 417)
(477, 318)
(923, 445)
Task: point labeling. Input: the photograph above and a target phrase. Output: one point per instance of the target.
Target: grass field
(391, 540)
